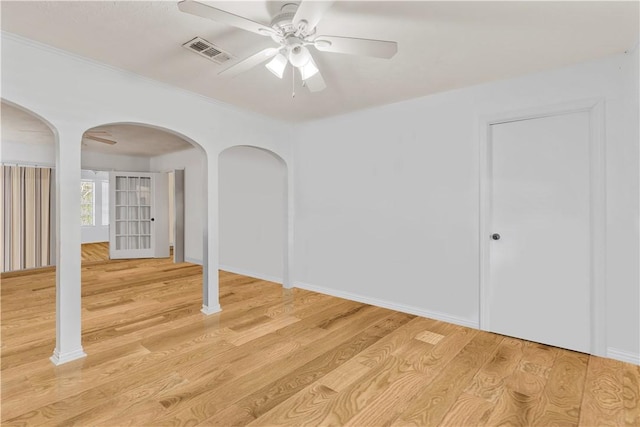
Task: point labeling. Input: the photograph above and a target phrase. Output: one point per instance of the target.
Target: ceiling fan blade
(103, 140)
(311, 11)
(315, 83)
(250, 62)
(353, 46)
(218, 15)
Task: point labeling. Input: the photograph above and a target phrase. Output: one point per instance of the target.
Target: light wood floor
(277, 356)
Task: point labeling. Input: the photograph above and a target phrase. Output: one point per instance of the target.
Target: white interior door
(131, 230)
(539, 273)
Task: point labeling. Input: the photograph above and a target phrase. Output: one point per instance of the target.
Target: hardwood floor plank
(489, 382)
(434, 401)
(278, 356)
(469, 410)
(266, 398)
(602, 404)
(631, 394)
(564, 390)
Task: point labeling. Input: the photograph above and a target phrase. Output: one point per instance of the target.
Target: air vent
(207, 50)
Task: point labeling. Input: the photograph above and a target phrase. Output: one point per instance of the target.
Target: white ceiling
(442, 45)
(132, 140)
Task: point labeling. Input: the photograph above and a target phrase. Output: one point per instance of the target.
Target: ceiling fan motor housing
(283, 24)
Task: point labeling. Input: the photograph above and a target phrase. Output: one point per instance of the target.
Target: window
(105, 202)
(87, 203)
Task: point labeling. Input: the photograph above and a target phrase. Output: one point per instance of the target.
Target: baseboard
(248, 273)
(623, 356)
(211, 310)
(390, 305)
(193, 260)
(61, 358)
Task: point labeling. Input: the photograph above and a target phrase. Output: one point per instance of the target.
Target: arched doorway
(28, 181)
(165, 150)
(254, 218)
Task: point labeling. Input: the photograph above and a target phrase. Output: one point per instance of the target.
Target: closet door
(540, 242)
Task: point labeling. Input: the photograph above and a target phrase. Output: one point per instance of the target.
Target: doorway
(542, 227)
(253, 213)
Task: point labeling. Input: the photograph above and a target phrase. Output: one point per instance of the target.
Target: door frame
(597, 291)
(112, 214)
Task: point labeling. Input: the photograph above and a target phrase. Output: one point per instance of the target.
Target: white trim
(595, 108)
(248, 273)
(390, 305)
(623, 356)
(193, 260)
(210, 310)
(61, 358)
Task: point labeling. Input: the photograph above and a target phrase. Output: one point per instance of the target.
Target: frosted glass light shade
(299, 56)
(308, 70)
(277, 65)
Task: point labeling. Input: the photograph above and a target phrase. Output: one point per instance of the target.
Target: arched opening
(28, 186)
(144, 148)
(253, 213)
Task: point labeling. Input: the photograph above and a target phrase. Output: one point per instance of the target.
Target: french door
(132, 231)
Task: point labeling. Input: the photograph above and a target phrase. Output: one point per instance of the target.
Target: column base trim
(61, 358)
(210, 310)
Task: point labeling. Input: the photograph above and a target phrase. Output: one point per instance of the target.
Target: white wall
(16, 152)
(193, 163)
(387, 199)
(251, 205)
(252, 212)
(116, 162)
(97, 232)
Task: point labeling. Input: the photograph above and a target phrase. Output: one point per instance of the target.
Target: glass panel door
(131, 215)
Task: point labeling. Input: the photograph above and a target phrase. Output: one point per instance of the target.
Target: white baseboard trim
(210, 310)
(246, 272)
(390, 305)
(623, 356)
(60, 358)
(193, 260)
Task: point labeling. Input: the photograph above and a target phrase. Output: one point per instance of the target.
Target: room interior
(373, 185)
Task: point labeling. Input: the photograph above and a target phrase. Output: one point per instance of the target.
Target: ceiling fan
(91, 134)
(293, 29)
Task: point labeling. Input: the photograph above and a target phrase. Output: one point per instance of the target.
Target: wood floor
(277, 356)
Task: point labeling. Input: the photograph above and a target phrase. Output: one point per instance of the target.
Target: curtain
(26, 197)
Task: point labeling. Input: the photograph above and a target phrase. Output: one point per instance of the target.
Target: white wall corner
(623, 355)
(193, 260)
(390, 305)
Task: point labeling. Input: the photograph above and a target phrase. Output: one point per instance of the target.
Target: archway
(28, 142)
(253, 213)
(166, 150)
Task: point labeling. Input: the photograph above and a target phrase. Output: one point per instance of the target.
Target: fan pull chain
(293, 82)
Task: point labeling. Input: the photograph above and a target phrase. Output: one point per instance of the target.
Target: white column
(210, 294)
(287, 279)
(68, 275)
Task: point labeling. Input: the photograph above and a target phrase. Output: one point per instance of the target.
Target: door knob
(495, 236)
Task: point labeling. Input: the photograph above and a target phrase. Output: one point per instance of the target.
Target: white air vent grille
(207, 50)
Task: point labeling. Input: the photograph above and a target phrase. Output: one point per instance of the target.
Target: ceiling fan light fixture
(277, 65)
(310, 69)
(299, 56)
